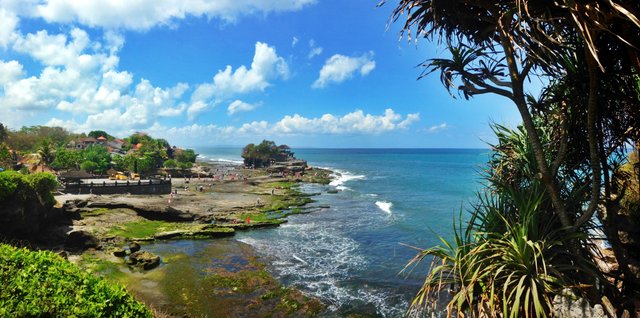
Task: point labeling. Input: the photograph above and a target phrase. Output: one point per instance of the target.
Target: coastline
(205, 211)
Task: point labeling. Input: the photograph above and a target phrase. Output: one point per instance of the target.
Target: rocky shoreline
(102, 229)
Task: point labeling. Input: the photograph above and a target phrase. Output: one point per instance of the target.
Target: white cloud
(294, 41)
(9, 71)
(53, 50)
(8, 23)
(239, 106)
(145, 14)
(266, 66)
(356, 122)
(339, 68)
(437, 128)
(196, 108)
(313, 49)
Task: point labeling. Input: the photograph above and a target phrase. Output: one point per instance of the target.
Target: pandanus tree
(587, 53)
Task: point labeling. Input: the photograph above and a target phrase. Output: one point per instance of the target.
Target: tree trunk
(519, 99)
(592, 134)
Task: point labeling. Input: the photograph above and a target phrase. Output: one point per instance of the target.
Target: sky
(307, 73)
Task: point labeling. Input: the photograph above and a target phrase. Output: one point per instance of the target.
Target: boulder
(119, 252)
(568, 305)
(144, 259)
(81, 240)
(134, 247)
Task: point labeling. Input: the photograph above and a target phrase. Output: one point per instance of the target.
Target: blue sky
(309, 73)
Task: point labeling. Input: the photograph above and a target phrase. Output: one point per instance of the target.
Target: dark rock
(333, 191)
(63, 254)
(134, 247)
(81, 240)
(144, 259)
(120, 252)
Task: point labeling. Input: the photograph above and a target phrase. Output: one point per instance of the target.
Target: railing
(133, 187)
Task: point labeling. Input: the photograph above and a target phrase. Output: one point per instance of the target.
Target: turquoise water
(351, 253)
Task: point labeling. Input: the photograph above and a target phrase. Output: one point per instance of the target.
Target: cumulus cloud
(8, 22)
(294, 41)
(239, 106)
(9, 71)
(265, 67)
(145, 14)
(340, 68)
(353, 123)
(356, 122)
(437, 128)
(80, 76)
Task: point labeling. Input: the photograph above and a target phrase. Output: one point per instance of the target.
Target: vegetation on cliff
(26, 202)
(38, 284)
(556, 181)
(265, 153)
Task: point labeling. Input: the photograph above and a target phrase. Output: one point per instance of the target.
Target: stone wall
(131, 187)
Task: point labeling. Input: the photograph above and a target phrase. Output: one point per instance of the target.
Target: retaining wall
(121, 187)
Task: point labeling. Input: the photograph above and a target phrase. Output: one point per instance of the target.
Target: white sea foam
(231, 161)
(373, 195)
(384, 206)
(344, 177)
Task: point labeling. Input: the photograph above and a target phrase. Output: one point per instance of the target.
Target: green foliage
(43, 284)
(28, 138)
(263, 154)
(100, 133)
(89, 166)
(66, 159)
(5, 157)
(511, 256)
(171, 163)
(4, 133)
(21, 188)
(99, 156)
(186, 155)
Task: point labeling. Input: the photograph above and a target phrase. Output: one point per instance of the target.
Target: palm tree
(45, 154)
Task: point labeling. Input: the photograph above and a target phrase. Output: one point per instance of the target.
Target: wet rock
(120, 252)
(81, 240)
(134, 247)
(144, 259)
(333, 191)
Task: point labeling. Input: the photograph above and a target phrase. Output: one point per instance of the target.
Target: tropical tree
(3, 133)
(495, 46)
(99, 156)
(66, 159)
(99, 133)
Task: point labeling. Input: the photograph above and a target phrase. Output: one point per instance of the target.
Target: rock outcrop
(81, 240)
(143, 259)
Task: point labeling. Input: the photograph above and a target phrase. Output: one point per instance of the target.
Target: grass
(281, 185)
(42, 284)
(96, 212)
(143, 229)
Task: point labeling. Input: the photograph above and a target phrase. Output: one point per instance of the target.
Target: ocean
(351, 253)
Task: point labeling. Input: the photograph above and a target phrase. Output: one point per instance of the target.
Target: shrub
(170, 163)
(43, 284)
(89, 166)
